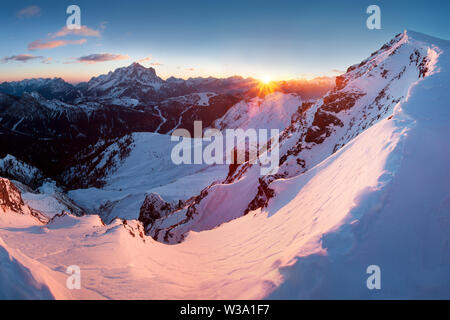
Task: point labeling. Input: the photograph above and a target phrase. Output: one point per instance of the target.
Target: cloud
(47, 60)
(40, 44)
(149, 58)
(337, 71)
(28, 12)
(190, 69)
(82, 31)
(101, 57)
(51, 41)
(146, 59)
(23, 58)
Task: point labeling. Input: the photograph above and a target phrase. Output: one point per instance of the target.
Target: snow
(163, 119)
(115, 83)
(17, 124)
(314, 225)
(17, 281)
(46, 200)
(204, 98)
(23, 277)
(125, 102)
(382, 199)
(274, 111)
(404, 226)
(376, 98)
(148, 168)
(11, 166)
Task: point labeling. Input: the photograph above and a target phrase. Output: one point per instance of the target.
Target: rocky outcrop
(11, 200)
(153, 208)
(10, 197)
(262, 197)
(15, 169)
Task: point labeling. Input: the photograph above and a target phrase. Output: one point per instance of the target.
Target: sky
(252, 38)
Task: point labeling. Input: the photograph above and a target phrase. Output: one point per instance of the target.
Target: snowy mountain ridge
(363, 96)
(364, 180)
(51, 88)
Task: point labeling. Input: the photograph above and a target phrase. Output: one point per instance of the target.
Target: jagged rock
(262, 197)
(18, 170)
(11, 200)
(154, 207)
(10, 197)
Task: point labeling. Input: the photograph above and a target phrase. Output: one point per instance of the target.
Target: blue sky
(282, 39)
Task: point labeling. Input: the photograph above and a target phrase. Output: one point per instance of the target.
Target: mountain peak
(137, 65)
(122, 81)
(137, 69)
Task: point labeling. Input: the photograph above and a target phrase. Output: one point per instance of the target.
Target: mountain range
(363, 180)
(57, 119)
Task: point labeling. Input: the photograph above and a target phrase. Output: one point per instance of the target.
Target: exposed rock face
(153, 208)
(13, 168)
(262, 197)
(10, 197)
(89, 166)
(322, 127)
(11, 200)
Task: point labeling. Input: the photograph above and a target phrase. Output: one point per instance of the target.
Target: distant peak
(137, 66)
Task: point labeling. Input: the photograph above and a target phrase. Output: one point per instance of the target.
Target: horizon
(318, 78)
(305, 79)
(284, 41)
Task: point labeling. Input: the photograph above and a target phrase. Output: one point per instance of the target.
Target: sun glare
(266, 86)
(265, 79)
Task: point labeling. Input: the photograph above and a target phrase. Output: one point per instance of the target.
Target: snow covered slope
(55, 88)
(11, 201)
(22, 278)
(147, 168)
(274, 111)
(12, 167)
(381, 199)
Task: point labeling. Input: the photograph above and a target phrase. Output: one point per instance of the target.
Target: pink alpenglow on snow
(363, 180)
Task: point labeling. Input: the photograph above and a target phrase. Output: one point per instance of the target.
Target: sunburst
(266, 86)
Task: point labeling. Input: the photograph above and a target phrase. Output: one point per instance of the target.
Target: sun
(266, 79)
(266, 86)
